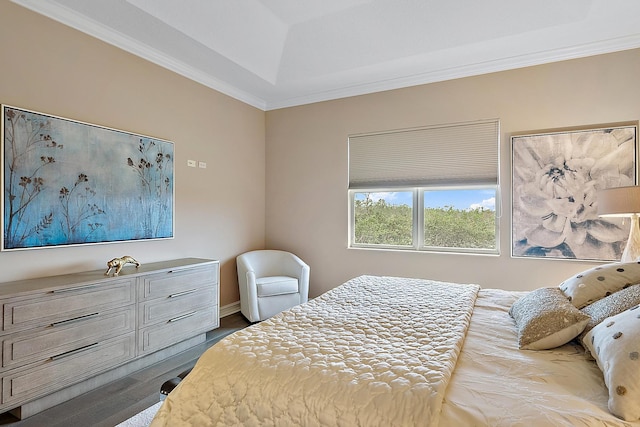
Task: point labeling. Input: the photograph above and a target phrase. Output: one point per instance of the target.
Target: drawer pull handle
(72, 352)
(184, 316)
(75, 288)
(179, 294)
(75, 319)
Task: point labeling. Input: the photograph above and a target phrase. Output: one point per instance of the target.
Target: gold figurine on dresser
(118, 263)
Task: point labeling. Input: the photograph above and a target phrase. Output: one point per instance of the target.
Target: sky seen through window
(457, 199)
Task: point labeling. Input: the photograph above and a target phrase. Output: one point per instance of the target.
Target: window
(460, 219)
(383, 218)
(426, 189)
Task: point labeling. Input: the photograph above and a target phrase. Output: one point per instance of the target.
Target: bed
(390, 351)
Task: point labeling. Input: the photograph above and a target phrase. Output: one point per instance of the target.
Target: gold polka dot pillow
(598, 282)
(546, 319)
(615, 344)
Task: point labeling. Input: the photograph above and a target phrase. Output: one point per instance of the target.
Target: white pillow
(596, 283)
(615, 344)
(546, 319)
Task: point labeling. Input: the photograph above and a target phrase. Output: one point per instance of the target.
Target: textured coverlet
(373, 351)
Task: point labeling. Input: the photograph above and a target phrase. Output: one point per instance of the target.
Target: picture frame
(68, 183)
(555, 179)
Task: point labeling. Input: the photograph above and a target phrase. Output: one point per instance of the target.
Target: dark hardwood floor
(115, 402)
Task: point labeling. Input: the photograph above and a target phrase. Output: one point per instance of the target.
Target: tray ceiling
(279, 53)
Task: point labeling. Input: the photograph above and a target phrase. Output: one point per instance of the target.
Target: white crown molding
(86, 25)
(504, 64)
(108, 35)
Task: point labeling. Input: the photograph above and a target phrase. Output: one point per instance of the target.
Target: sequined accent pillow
(609, 306)
(615, 344)
(596, 283)
(546, 319)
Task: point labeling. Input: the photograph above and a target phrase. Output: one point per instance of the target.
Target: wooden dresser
(65, 335)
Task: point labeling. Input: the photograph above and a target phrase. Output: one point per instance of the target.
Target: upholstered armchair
(271, 281)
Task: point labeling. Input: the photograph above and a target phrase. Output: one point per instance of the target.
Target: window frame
(418, 228)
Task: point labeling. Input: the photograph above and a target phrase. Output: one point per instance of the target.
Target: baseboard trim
(229, 309)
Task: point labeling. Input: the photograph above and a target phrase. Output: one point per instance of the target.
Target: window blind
(451, 154)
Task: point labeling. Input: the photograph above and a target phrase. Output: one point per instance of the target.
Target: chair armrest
(298, 268)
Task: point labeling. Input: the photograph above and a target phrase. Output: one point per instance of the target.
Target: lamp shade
(619, 201)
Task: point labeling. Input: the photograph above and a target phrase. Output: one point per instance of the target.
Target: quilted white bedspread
(373, 351)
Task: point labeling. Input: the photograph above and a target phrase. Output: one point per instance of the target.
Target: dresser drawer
(177, 329)
(64, 335)
(44, 343)
(22, 384)
(65, 304)
(175, 305)
(177, 281)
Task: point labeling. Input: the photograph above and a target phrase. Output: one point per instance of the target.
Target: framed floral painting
(68, 183)
(555, 178)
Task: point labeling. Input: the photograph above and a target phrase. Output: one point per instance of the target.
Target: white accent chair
(271, 281)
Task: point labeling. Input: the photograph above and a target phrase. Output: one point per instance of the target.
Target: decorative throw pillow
(615, 344)
(598, 282)
(609, 306)
(546, 319)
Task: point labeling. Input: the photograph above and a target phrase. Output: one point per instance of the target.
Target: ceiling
(280, 53)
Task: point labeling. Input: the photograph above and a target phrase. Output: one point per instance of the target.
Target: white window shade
(453, 154)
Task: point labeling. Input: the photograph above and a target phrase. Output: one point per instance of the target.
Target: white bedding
(374, 351)
(380, 351)
(496, 384)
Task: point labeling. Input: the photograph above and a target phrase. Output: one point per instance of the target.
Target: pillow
(615, 344)
(546, 319)
(598, 282)
(610, 306)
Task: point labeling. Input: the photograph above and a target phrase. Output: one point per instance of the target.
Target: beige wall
(219, 213)
(224, 210)
(306, 194)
